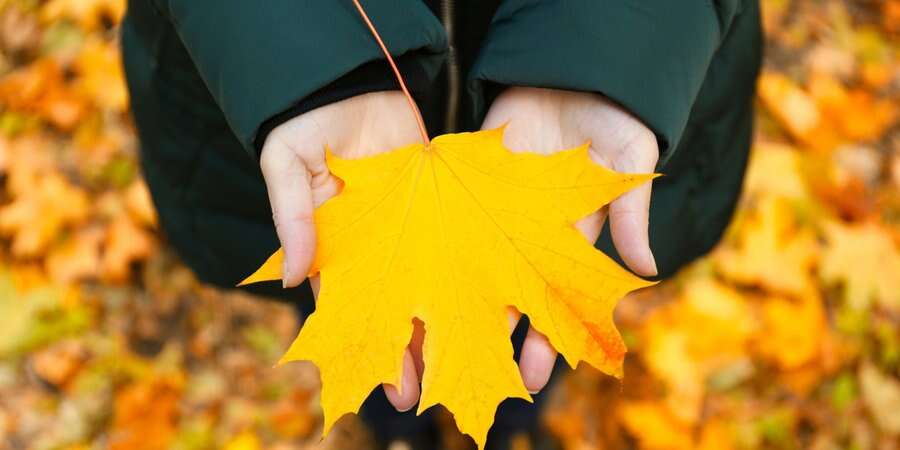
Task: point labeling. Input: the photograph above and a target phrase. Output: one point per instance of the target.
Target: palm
(545, 121)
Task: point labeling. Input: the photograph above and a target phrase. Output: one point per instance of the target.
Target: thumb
(629, 215)
(288, 182)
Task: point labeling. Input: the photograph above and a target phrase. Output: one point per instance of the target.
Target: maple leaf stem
(412, 103)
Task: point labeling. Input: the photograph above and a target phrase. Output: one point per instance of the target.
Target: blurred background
(787, 336)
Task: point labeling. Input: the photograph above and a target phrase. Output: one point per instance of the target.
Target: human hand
(298, 180)
(546, 121)
(293, 164)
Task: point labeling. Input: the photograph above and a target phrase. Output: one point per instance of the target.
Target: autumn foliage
(786, 336)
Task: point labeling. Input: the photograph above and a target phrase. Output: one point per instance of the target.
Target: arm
(636, 68)
(648, 56)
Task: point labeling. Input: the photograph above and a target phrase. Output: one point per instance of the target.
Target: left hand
(546, 121)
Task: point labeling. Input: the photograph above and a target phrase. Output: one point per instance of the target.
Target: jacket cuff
(374, 76)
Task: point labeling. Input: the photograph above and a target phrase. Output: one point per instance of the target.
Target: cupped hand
(547, 120)
(298, 180)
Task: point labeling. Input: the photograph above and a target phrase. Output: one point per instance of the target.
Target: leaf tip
(269, 271)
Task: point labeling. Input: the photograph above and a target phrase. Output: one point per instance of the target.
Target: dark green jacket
(209, 77)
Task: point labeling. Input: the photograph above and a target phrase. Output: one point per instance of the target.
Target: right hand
(298, 180)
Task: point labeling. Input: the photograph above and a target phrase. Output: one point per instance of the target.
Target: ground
(787, 336)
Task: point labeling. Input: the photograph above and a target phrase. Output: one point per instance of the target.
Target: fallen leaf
(792, 330)
(146, 414)
(40, 88)
(125, 244)
(455, 233)
(655, 428)
(771, 250)
(101, 76)
(59, 363)
(290, 418)
(796, 110)
(866, 118)
(246, 440)
(877, 74)
(890, 10)
(683, 358)
(881, 393)
(88, 14)
(77, 258)
(37, 217)
(774, 169)
(34, 312)
(865, 260)
(140, 204)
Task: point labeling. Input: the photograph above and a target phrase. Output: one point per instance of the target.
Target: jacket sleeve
(650, 56)
(258, 59)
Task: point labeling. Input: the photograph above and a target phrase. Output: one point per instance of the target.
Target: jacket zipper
(450, 121)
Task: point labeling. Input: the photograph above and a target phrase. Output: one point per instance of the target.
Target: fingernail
(406, 409)
(285, 274)
(534, 392)
(653, 261)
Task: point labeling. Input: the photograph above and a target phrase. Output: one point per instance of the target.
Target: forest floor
(787, 336)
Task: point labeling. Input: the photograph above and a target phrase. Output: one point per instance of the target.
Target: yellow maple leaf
(452, 234)
(866, 261)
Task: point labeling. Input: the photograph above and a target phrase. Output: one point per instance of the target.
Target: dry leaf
(146, 415)
(771, 250)
(77, 258)
(453, 234)
(125, 243)
(655, 428)
(37, 217)
(774, 169)
(88, 14)
(41, 89)
(59, 363)
(891, 15)
(865, 260)
(246, 440)
(794, 109)
(140, 205)
(101, 76)
(881, 392)
(685, 341)
(865, 118)
(793, 330)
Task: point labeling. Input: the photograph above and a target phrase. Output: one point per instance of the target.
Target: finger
(536, 361)
(314, 283)
(407, 397)
(288, 184)
(629, 215)
(415, 346)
